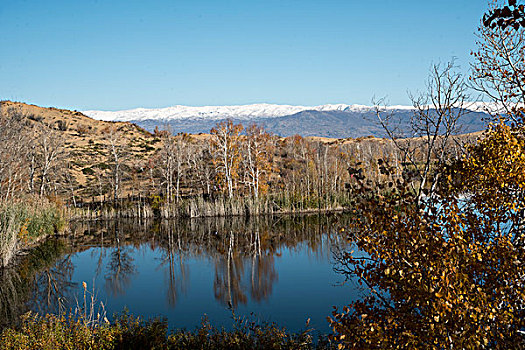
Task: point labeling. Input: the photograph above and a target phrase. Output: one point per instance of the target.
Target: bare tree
(13, 153)
(432, 127)
(116, 152)
(49, 148)
(167, 162)
(257, 158)
(226, 149)
(70, 181)
(32, 164)
(173, 157)
(182, 141)
(201, 166)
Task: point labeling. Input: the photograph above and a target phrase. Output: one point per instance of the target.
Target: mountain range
(331, 120)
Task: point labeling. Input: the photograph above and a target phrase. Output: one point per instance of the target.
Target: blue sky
(82, 54)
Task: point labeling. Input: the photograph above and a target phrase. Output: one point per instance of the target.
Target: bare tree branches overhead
(433, 126)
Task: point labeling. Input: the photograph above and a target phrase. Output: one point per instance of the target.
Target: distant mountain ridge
(239, 112)
(331, 120)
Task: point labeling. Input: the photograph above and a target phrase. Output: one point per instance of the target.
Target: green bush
(45, 221)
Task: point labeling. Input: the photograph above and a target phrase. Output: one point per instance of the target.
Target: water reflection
(40, 282)
(132, 263)
(121, 265)
(177, 270)
(53, 285)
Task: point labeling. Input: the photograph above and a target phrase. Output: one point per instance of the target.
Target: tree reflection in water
(228, 273)
(53, 287)
(243, 252)
(41, 281)
(174, 254)
(263, 273)
(120, 267)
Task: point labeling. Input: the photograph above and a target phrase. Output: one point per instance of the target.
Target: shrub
(128, 332)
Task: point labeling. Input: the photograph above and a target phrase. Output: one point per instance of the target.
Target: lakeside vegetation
(24, 224)
(108, 168)
(61, 332)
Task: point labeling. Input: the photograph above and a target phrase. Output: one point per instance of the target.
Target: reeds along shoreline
(196, 207)
(24, 223)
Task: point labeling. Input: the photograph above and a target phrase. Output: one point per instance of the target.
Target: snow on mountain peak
(241, 112)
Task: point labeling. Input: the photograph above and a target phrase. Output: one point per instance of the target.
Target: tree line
(232, 163)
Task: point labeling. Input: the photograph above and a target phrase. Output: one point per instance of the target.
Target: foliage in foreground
(127, 332)
(447, 274)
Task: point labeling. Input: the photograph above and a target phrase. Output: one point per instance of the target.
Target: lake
(275, 269)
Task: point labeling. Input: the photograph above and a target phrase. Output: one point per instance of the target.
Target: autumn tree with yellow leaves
(447, 272)
(498, 67)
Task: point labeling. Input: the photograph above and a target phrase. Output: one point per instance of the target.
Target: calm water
(278, 269)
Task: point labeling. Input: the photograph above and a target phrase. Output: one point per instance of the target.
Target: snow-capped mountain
(242, 112)
(331, 120)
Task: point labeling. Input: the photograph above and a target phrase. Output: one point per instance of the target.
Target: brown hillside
(85, 139)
